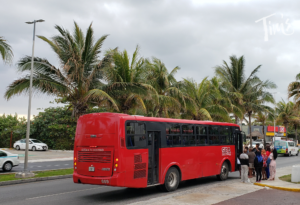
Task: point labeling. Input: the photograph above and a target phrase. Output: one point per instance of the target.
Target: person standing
(251, 156)
(244, 159)
(265, 158)
(273, 157)
(268, 152)
(258, 164)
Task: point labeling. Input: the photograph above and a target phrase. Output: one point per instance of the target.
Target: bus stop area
(225, 191)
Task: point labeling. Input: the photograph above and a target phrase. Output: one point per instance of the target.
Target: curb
(22, 181)
(278, 187)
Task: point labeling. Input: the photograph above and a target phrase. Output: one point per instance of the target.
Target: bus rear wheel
(171, 180)
(224, 172)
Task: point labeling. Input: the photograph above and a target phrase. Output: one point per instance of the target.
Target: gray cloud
(195, 35)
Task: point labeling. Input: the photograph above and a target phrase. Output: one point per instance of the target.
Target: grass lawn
(287, 178)
(9, 177)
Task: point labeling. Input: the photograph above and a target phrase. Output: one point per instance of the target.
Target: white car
(8, 160)
(261, 145)
(34, 145)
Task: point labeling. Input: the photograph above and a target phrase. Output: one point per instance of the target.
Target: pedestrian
(247, 149)
(258, 164)
(244, 159)
(257, 150)
(273, 157)
(268, 152)
(265, 158)
(251, 156)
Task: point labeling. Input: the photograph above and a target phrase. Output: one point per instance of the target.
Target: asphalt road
(41, 166)
(66, 192)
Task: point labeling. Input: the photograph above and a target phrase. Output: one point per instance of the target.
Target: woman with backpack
(258, 164)
(272, 167)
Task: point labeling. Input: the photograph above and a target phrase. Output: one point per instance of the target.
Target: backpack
(259, 159)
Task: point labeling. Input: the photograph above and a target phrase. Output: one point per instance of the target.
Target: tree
(263, 118)
(77, 82)
(171, 100)
(294, 90)
(254, 100)
(249, 94)
(126, 81)
(11, 127)
(234, 80)
(287, 113)
(5, 51)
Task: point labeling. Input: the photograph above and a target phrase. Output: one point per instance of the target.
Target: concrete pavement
(279, 184)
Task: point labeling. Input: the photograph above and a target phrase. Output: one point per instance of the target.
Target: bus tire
(224, 172)
(171, 180)
(290, 154)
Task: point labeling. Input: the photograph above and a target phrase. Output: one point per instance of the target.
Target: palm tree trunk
(236, 119)
(286, 128)
(249, 125)
(264, 135)
(11, 138)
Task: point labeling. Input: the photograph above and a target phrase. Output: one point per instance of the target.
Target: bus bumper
(108, 181)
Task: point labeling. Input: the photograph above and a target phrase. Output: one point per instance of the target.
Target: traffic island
(10, 179)
(24, 175)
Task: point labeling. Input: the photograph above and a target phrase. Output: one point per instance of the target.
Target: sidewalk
(210, 193)
(279, 184)
(43, 156)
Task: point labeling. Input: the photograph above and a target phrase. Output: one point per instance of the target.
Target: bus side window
(136, 135)
(224, 135)
(213, 134)
(201, 132)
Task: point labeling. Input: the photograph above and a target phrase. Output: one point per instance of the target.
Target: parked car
(8, 160)
(34, 145)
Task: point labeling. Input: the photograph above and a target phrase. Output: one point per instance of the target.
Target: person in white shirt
(244, 159)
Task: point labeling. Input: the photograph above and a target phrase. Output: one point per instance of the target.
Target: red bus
(133, 151)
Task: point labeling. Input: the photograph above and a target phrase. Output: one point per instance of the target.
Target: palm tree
(170, 98)
(294, 89)
(263, 118)
(77, 81)
(5, 51)
(254, 99)
(287, 113)
(126, 81)
(234, 80)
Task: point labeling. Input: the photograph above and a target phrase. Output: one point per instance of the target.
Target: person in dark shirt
(258, 164)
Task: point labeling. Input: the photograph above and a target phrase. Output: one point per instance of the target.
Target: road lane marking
(66, 164)
(64, 193)
(56, 165)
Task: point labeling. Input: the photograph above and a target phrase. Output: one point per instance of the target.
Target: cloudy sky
(196, 35)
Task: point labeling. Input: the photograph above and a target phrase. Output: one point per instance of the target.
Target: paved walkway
(223, 191)
(279, 183)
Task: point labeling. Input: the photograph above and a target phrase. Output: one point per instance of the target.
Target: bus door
(238, 146)
(153, 145)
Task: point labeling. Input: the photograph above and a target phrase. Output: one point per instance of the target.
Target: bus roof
(157, 119)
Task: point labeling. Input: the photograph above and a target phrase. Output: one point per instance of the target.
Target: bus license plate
(91, 169)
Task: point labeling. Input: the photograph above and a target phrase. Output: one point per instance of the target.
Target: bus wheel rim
(224, 171)
(172, 179)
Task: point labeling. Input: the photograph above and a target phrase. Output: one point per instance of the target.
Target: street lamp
(25, 172)
(274, 117)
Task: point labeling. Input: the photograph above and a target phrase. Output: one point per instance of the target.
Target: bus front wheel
(224, 172)
(171, 180)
